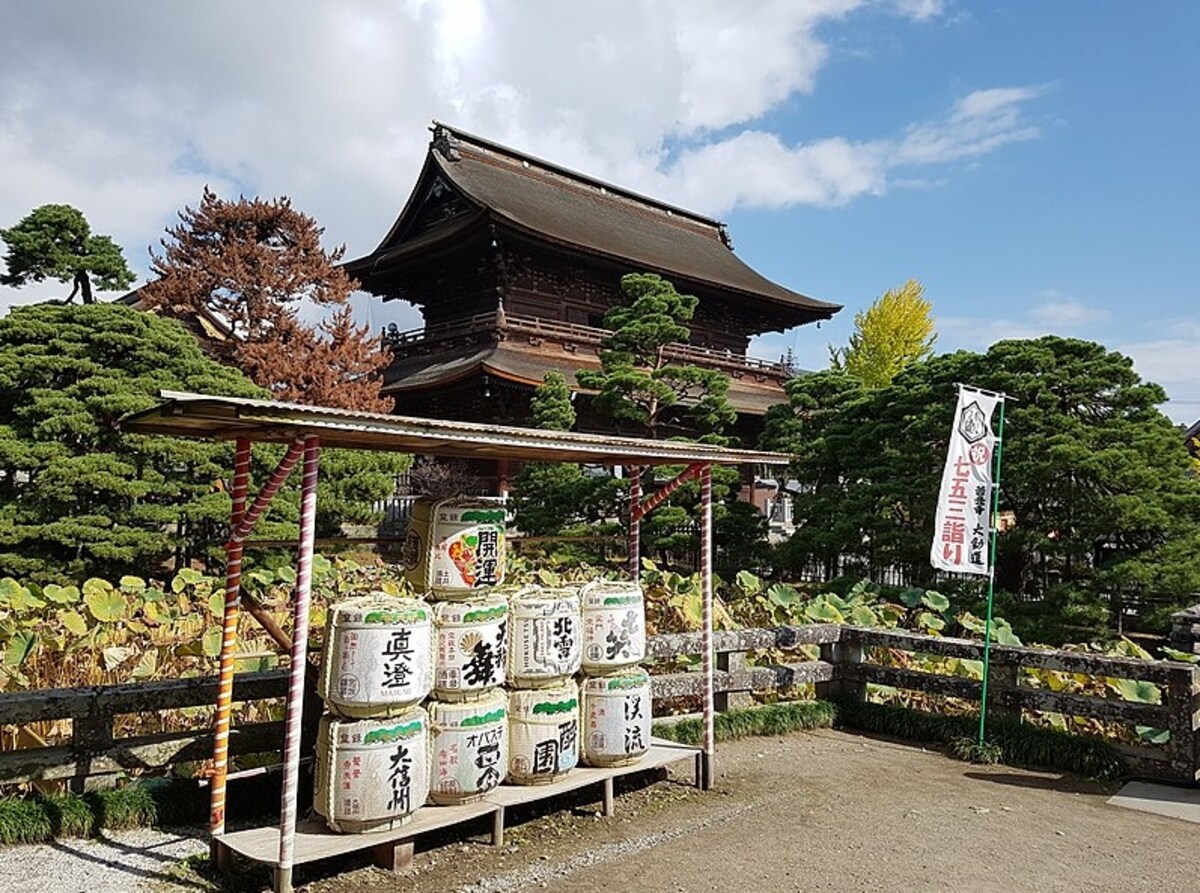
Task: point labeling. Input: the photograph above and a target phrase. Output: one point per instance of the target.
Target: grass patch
(70, 815)
(117, 809)
(24, 820)
(1010, 741)
(969, 750)
(771, 719)
(178, 801)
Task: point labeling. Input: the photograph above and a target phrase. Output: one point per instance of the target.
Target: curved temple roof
(223, 418)
(549, 202)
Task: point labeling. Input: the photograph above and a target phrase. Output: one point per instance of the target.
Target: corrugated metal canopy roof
(224, 418)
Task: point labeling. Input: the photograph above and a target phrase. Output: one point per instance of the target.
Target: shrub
(772, 719)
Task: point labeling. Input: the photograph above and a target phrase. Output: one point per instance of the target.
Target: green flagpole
(991, 585)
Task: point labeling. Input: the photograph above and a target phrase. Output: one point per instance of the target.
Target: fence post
(89, 735)
(1185, 630)
(845, 655)
(731, 662)
(1181, 701)
(1003, 678)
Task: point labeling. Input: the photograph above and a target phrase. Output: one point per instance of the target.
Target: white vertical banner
(961, 531)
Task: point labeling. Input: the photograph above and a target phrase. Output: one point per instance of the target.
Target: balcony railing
(502, 325)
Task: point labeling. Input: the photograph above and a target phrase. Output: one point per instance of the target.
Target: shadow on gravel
(119, 860)
(1063, 784)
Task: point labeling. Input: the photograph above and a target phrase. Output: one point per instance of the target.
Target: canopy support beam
(233, 584)
(241, 523)
(708, 775)
(639, 508)
(299, 664)
(635, 527)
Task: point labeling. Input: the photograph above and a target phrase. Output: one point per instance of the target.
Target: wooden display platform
(392, 849)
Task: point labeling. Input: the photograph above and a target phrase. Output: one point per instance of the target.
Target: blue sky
(1030, 163)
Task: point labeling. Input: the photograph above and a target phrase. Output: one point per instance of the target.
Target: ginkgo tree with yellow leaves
(894, 332)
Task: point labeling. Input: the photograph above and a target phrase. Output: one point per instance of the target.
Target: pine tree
(637, 382)
(56, 242)
(79, 497)
(252, 263)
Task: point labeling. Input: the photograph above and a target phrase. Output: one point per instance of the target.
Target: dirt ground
(824, 811)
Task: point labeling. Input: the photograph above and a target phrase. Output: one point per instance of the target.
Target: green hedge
(152, 802)
(772, 719)
(1019, 744)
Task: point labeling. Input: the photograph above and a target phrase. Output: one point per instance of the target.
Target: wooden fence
(747, 661)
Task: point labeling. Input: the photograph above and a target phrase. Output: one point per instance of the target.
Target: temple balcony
(570, 337)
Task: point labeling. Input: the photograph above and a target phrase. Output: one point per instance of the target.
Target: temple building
(513, 262)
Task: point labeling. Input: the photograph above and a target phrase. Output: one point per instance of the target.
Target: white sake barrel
(470, 647)
(455, 546)
(614, 626)
(543, 733)
(544, 637)
(372, 774)
(616, 718)
(468, 748)
(378, 655)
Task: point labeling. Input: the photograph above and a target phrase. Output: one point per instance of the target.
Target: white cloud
(978, 123)
(1170, 362)
(1053, 314)
(1063, 313)
(127, 109)
(758, 169)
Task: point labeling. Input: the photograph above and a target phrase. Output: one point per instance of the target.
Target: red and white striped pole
(299, 663)
(664, 493)
(233, 586)
(706, 584)
(261, 502)
(635, 526)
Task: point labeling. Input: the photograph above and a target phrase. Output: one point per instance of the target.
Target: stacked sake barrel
(454, 552)
(373, 741)
(545, 652)
(441, 699)
(616, 696)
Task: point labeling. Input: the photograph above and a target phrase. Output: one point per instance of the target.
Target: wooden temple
(513, 262)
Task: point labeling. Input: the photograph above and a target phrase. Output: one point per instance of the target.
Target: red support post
(294, 451)
(664, 493)
(635, 527)
(233, 585)
(706, 583)
(299, 663)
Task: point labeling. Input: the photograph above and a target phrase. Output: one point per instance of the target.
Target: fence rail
(747, 661)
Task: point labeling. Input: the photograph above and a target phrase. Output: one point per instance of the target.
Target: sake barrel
(616, 718)
(614, 626)
(454, 546)
(378, 655)
(468, 748)
(372, 774)
(544, 645)
(470, 646)
(543, 733)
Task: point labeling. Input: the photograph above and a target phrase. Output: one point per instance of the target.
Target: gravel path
(118, 862)
(825, 811)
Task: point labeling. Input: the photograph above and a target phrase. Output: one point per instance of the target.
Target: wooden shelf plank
(315, 841)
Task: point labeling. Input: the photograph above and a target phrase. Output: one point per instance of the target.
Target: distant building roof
(576, 212)
(205, 325)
